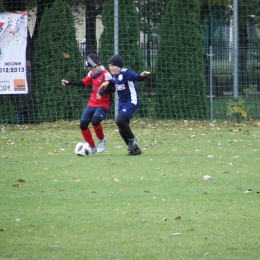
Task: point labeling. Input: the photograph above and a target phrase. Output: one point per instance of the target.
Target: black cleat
(136, 151)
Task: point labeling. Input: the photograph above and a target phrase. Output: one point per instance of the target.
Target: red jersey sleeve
(87, 80)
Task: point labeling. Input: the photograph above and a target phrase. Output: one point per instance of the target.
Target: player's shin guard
(99, 131)
(87, 135)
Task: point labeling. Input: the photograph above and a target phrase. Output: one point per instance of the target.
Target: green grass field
(56, 205)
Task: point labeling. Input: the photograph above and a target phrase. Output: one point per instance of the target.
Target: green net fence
(204, 64)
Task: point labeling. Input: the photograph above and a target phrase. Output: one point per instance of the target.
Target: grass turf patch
(112, 206)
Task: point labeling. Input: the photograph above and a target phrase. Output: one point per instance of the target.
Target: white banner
(13, 40)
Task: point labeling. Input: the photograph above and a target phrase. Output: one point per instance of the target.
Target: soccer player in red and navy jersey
(99, 104)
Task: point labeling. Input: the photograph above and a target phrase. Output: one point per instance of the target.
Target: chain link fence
(171, 39)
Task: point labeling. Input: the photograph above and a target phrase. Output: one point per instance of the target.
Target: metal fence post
(211, 96)
(116, 45)
(235, 48)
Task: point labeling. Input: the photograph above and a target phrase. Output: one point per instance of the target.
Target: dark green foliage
(180, 64)
(57, 56)
(150, 13)
(15, 5)
(129, 37)
(129, 32)
(8, 105)
(2, 8)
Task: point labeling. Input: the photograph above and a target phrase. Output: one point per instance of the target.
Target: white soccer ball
(82, 149)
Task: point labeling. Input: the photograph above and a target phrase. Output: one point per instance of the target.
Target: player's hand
(145, 73)
(104, 85)
(64, 82)
(98, 96)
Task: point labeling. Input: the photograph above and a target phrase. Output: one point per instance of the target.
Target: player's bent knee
(96, 121)
(83, 125)
(121, 119)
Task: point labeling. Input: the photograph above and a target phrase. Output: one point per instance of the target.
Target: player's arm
(133, 76)
(143, 75)
(110, 89)
(73, 83)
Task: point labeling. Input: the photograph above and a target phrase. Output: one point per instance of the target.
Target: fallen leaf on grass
(116, 180)
(178, 218)
(164, 219)
(2, 229)
(16, 185)
(176, 234)
(147, 191)
(21, 180)
(248, 191)
(207, 178)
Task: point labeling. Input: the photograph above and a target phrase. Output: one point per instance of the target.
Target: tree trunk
(242, 57)
(91, 13)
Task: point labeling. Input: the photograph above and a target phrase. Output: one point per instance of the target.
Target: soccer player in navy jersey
(99, 104)
(129, 100)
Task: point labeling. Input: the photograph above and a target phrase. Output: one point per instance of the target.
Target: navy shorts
(89, 112)
(127, 108)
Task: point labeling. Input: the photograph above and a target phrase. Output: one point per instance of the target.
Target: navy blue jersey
(126, 86)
